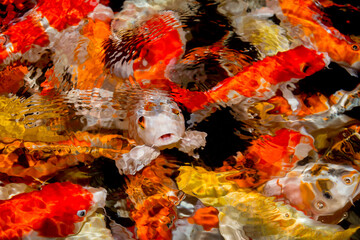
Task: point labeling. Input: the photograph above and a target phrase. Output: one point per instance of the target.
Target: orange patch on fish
(63, 13)
(89, 74)
(206, 217)
(153, 217)
(20, 37)
(12, 78)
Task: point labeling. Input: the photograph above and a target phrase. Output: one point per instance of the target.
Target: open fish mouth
(166, 136)
(167, 139)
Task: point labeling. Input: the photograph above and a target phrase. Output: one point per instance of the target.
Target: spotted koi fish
(57, 210)
(308, 16)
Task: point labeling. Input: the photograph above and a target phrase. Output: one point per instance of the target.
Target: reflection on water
(221, 119)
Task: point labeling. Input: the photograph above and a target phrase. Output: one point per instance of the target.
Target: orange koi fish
(258, 81)
(149, 65)
(36, 28)
(154, 195)
(40, 159)
(308, 16)
(57, 210)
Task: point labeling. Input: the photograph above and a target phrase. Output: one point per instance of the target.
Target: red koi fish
(47, 17)
(308, 15)
(259, 80)
(57, 210)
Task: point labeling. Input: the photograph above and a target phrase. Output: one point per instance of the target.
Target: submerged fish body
(307, 15)
(154, 196)
(269, 157)
(258, 81)
(317, 189)
(42, 159)
(57, 210)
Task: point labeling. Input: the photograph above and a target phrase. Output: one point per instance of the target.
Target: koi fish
(246, 213)
(40, 159)
(78, 53)
(40, 26)
(268, 157)
(154, 195)
(307, 15)
(156, 123)
(258, 81)
(317, 189)
(57, 210)
(145, 50)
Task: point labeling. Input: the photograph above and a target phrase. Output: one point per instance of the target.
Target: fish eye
(141, 122)
(81, 213)
(320, 205)
(305, 67)
(327, 195)
(347, 180)
(355, 47)
(175, 111)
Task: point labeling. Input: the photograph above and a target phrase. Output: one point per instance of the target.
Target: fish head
(333, 189)
(98, 201)
(157, 121)
(322, 189)
(69, 206)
